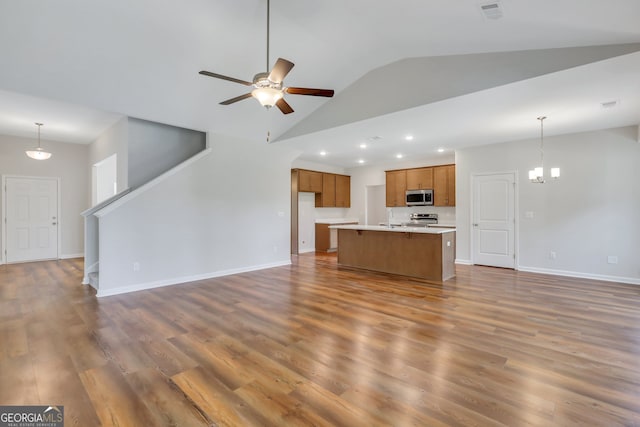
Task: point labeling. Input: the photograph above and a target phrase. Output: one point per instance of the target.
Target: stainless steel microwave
(419, 198)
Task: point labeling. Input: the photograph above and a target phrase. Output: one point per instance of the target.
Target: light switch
(528, 214)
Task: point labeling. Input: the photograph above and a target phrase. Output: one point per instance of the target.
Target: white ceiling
(78, 66)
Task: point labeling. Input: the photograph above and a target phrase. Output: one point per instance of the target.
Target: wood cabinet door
(451, 182)
(309, 181)
(396, 186)
(420, 179)
(328, 190)
(444, 185)
(343, 191)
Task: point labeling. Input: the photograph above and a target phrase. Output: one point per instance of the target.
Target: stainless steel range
(421, 220)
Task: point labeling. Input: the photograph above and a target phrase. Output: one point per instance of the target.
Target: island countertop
(394, 229)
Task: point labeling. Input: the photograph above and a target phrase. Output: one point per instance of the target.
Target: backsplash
(445, 214)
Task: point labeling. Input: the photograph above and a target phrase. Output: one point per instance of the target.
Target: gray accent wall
(154, 148)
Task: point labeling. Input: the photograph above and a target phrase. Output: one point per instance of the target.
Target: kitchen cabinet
(396, 187)
(343, 191)
(419, 179)
(336, 191)
(326, 238)
(328, 196)
(444, 185)
(309, 181)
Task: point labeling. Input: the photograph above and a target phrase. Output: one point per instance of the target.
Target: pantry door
(31, 218)
(494, 220)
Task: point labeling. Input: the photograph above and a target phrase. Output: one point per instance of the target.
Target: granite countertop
(396, 229)
(444, 225)
(337, 221)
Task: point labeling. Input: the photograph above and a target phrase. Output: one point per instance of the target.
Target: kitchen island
(426, 253)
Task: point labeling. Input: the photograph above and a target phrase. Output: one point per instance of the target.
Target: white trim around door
(5, 206)
(494, 227)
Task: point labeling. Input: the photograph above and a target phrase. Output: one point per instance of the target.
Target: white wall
(227, 212)
(104, 178)
(113, 141)
(590, 213)
(69, 163)
(307, 222)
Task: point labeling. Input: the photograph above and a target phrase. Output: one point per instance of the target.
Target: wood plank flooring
(313, 344)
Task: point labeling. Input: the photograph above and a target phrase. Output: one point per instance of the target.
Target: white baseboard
(184, 279)
(606, 278)
(464, 262)
(69, 256)
(304, 251)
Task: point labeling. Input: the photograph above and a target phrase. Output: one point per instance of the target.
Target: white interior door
(31, 213)
(494, 220)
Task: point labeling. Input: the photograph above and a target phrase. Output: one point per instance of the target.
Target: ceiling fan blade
(308, 91)
(280, 70)
(236, 99)
(220, 76)
(284, 106)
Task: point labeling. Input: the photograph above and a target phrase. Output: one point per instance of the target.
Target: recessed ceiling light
(323, 153)
(409, 137)
(363, 145)
(399, 156)
(361, 161)
(440, 150)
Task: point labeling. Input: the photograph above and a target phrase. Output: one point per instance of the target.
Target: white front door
(493, 222)
(31, 214)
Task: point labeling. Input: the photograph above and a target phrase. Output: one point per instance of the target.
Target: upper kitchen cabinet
(343, 191)
(444, 185)
(336, 191)
(396, 187)
(309, 181)
(328, 196)
(419, 179)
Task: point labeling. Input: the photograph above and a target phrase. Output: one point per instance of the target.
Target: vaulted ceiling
(439, 70)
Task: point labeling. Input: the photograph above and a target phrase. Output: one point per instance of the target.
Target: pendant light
(38, 153)
(536, 175)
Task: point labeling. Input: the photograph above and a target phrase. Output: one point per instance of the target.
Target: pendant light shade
(38, 153)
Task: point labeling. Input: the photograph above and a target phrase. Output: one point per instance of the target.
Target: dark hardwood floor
(314, 344)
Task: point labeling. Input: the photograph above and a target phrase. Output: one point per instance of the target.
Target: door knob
(54, 223)
(475, 225)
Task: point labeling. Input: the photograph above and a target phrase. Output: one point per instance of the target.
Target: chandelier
(536, 175)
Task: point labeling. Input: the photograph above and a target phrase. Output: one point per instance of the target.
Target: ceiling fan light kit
(268, 87)
(38, 153)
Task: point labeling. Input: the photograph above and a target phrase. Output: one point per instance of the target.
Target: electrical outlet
(136, 266)
(528, 214)
(552, 255)
(612, 259)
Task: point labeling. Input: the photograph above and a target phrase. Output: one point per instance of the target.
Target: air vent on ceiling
(491, 10)
(374, 138)
(609, 104)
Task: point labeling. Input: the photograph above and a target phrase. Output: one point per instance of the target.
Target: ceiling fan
(268, 87)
